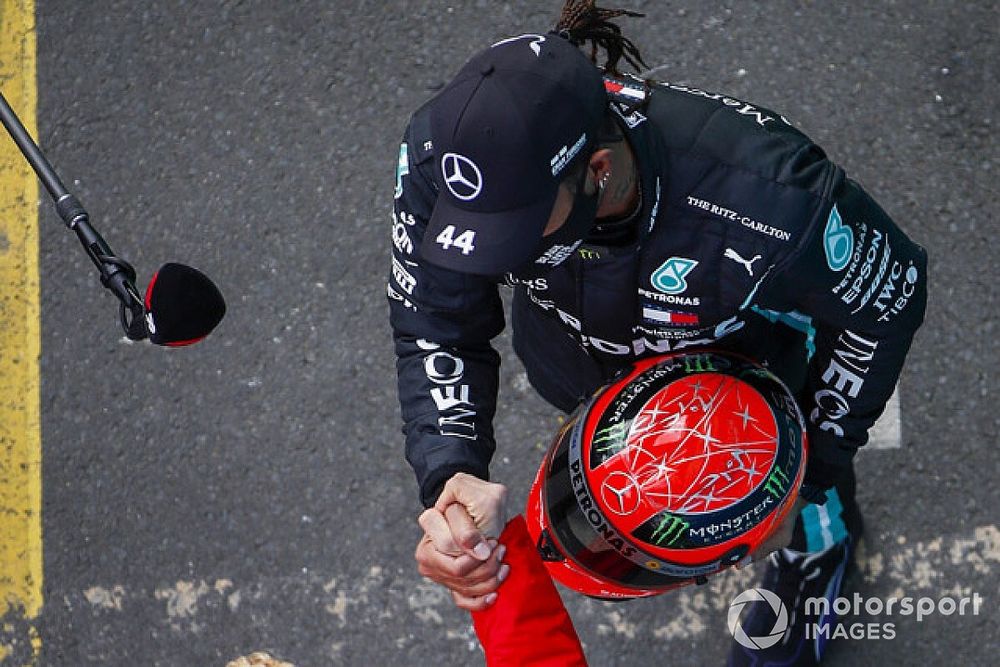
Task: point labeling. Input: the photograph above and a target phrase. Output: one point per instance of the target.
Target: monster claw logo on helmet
(670, 474)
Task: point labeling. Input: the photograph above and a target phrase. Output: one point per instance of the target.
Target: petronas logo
(838, 241)
(670, 277)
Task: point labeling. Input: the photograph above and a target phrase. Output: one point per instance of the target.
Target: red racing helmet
(667, 475)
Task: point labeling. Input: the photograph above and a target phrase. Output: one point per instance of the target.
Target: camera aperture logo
(780, 618)
(839, 617)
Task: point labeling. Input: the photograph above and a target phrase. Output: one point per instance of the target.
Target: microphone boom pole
(117, 275)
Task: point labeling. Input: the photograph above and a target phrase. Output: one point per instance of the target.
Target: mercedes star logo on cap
(462, 176)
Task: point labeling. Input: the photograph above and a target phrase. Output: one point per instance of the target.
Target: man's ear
(599, 164)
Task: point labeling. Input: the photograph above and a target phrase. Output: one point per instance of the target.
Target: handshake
(460, 548)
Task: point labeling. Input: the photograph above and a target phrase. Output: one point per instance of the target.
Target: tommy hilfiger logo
(662, 316)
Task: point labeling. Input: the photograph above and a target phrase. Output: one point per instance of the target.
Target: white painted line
(887, 433)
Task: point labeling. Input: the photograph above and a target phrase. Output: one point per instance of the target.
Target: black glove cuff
(813, 494)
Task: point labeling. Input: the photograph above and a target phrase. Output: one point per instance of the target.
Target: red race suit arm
(528, 624)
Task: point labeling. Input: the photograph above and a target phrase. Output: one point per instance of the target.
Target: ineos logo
(462, 176)
(620, 493)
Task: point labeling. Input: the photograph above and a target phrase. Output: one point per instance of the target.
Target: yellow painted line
(20, 423)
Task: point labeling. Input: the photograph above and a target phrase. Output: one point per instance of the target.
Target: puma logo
(536, 45)
(747, 263)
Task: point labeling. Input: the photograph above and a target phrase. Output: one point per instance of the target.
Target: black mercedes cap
(504, 130)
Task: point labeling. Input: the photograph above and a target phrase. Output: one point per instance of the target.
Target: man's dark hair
(582, 21)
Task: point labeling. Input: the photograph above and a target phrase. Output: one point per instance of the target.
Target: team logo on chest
(670, 277)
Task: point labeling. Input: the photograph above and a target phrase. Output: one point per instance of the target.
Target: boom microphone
(182, 305)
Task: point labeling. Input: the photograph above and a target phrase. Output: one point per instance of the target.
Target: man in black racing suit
(718, 224)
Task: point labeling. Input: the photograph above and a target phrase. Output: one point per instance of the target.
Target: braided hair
(582, 21)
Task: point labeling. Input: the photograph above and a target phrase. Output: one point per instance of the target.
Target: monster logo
(698, 363)
(669, 530)
(611, 438)
(777, 483)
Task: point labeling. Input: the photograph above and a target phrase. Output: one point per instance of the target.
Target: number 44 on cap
(465, 241)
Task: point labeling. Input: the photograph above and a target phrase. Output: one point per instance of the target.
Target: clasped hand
(460, 548)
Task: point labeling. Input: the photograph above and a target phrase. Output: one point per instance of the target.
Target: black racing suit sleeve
(442, 324)
(863, 283)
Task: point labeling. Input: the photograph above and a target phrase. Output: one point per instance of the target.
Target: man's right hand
(459, 549)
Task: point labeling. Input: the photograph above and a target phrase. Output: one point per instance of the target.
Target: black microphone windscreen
(182, 306)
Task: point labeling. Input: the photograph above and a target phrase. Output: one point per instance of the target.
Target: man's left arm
(863, 283)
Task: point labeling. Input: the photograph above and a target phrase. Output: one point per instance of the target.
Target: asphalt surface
(251, 493)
